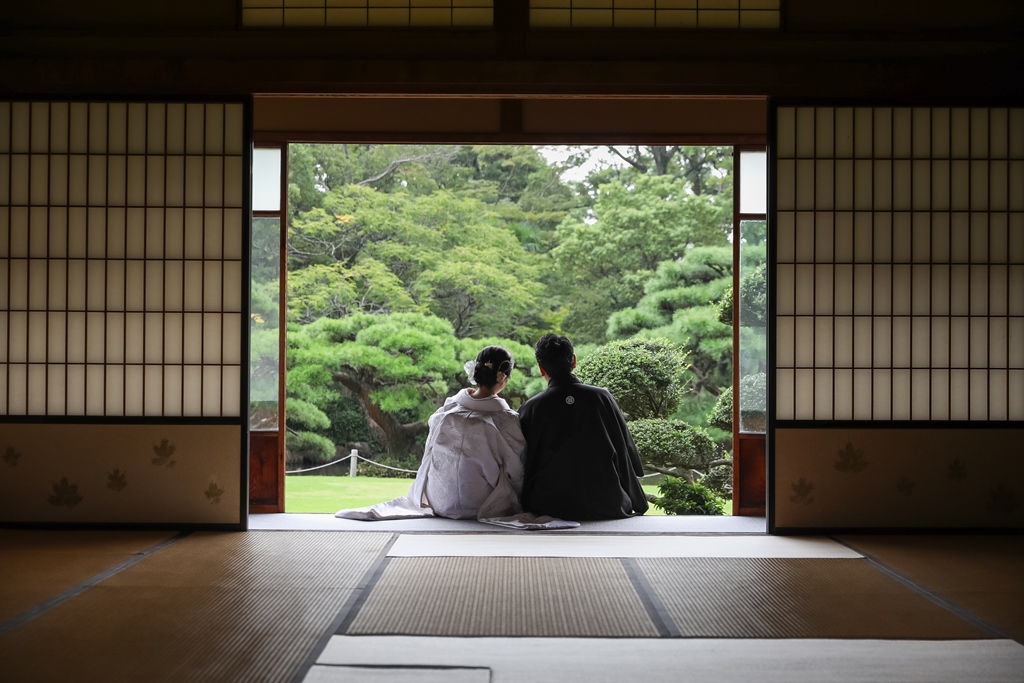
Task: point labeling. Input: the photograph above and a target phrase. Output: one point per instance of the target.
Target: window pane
(754, 182)
(266, 180)
(263, 324)
(753, 300)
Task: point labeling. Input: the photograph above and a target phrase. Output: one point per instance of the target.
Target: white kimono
(472, 465)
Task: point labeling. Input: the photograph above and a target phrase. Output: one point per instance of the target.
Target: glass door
(266, 327)
(750, 228)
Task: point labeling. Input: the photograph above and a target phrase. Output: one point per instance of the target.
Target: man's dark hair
(554, 354)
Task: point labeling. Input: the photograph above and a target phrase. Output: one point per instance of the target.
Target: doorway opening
(387, 298)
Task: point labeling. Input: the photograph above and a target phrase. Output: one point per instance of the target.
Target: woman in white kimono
(472, 465)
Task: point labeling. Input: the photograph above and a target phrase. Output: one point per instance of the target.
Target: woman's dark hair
(554, 354)
(499, 359)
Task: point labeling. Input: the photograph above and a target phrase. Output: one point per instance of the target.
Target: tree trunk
(397, 437)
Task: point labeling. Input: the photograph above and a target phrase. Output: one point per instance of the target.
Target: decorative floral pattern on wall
(906, 485)
(11, 456)
(1002, 500)
(64, 473)
(924, 476)
(164, 450)
(65, 494)
(117, 480)
(851, 460)
(957, 470)
(213, 492)
(802, 492)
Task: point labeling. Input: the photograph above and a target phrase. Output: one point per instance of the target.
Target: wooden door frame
(749, 465)
(267, 447)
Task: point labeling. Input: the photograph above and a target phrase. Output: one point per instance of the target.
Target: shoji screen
(123, 324)
(379, 13)
(899, 315)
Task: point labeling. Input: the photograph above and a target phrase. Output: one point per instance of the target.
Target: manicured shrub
(680, 497)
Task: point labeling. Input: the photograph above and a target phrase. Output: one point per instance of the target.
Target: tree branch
(632, 162)
(393, 165)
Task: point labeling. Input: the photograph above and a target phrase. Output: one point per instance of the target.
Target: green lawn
(330, 494)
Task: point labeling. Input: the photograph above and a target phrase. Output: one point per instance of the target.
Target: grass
(330, 494)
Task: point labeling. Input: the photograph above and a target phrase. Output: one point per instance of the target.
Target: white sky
(600, 158)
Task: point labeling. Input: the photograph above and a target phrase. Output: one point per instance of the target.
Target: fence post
(353, 461)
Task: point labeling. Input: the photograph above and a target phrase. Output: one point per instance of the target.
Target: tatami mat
(485, 596)
(790, 598)
(364, 674)
(39, 565)
(543, 660)
(548, 545)
(982, 574)
(210, 607)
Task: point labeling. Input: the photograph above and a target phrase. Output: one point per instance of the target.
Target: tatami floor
(308, 599)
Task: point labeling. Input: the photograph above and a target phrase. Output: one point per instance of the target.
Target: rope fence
(352, 454)
(389, 467)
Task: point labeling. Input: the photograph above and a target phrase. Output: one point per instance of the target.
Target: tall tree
(605, 261)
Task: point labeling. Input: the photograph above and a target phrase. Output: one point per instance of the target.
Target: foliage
(405, 260)
(605, 259)
(725, 307)
(719, 480)
(366, 251)
(678, 304)
(308, 449)
(753, 393)
(754, 298)
(646, 376)
(721, 415)
(398, 368)
(680, 497)
(306, 414)
(402, 462)
(670, 443)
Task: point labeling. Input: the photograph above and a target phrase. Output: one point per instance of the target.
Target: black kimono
(581, 462)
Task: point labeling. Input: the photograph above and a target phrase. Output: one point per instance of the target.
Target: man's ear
(543, 372)
(574, 361)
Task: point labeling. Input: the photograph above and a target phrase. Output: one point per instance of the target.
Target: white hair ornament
(470, 368)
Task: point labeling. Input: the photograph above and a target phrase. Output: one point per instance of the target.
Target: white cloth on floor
(530, 522)
(472, 465)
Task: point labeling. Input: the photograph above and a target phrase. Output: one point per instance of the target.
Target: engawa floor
(466, 602)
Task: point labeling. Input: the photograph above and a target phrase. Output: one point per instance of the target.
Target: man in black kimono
(581, 462)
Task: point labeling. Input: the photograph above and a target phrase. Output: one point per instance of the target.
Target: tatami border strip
(659, 616)
(43, 607)
(348, 611)
(962, 612)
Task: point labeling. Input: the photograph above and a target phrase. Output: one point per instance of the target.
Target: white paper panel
(35, 337)
(804, 394)
(1016, 395)
(998, 398)
(881, 390)
(920, 393)
(95, 390)
(231, 391)
(36, 390)
(153, 390)
(784, 379)
(192, 390)
(156, 126)
(172, 390)
(134, 390)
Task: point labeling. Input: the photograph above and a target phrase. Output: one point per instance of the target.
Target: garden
(405, 260)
